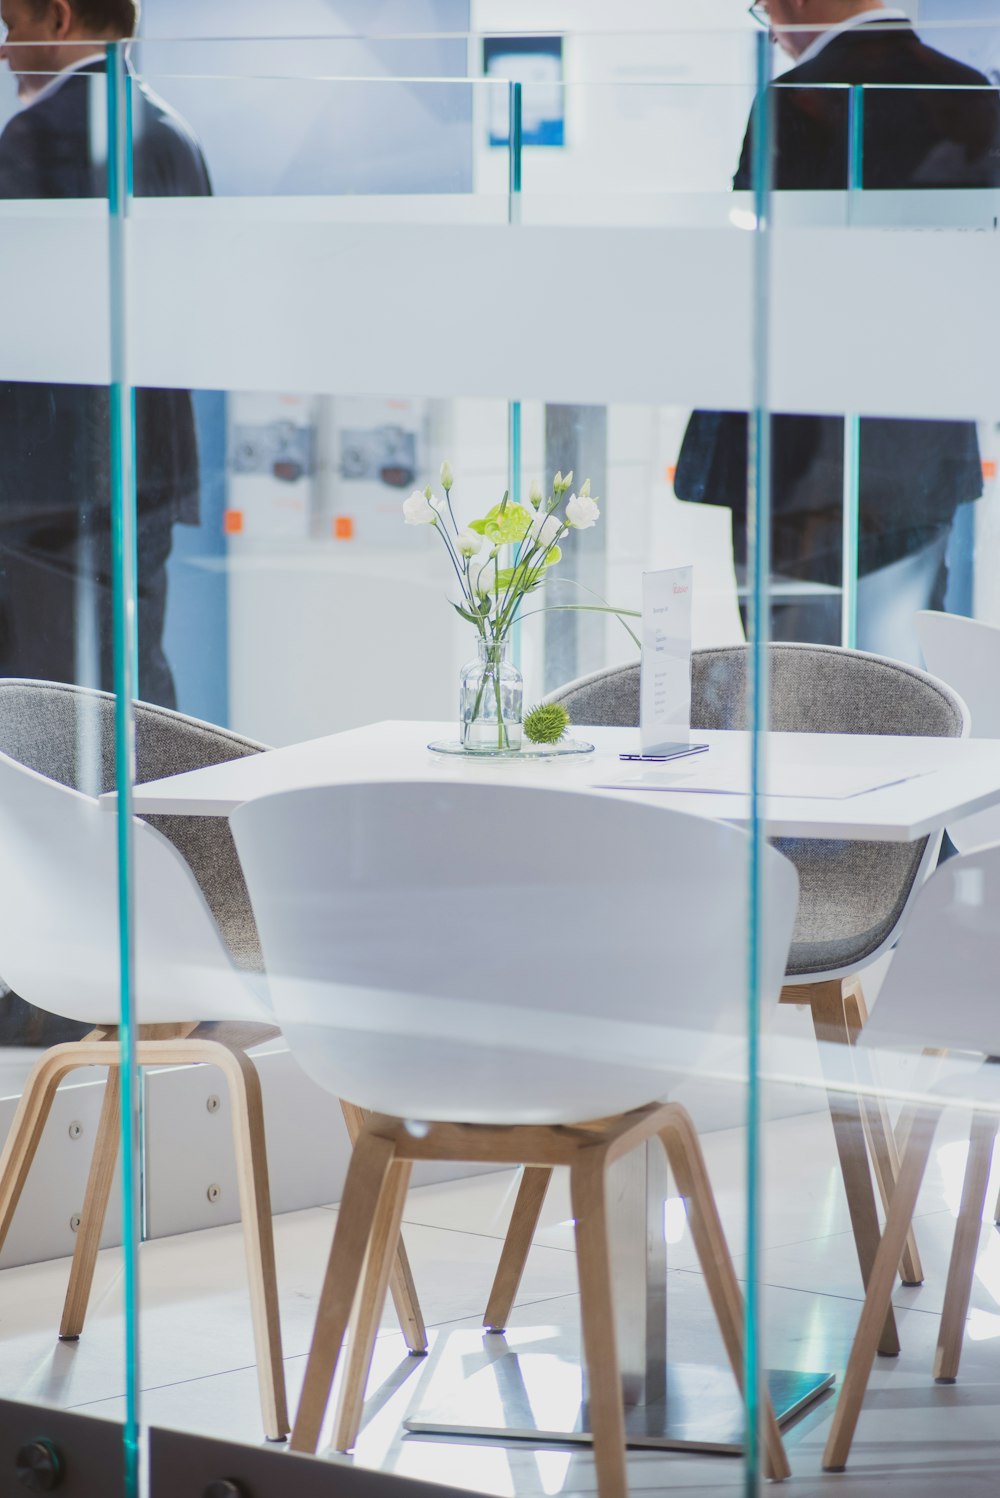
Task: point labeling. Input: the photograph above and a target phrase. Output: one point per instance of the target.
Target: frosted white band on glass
(436, 297)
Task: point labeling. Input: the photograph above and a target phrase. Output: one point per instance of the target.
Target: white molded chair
(60, 951)
(965, 653)
(506, 965)
(852, 895)
(940, 994)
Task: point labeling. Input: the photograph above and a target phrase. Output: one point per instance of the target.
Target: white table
(955, 777)
(948, 779)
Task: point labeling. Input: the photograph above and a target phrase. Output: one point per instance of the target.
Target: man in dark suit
(55, 442)
(941, 130)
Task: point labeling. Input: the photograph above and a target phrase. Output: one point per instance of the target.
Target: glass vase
(491, 701)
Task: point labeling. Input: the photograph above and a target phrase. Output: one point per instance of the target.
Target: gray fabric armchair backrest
(851, 895)
(68, 734)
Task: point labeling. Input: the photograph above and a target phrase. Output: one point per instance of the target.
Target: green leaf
(479, 526)
(465, 613)
(507, 526)
(554, 556)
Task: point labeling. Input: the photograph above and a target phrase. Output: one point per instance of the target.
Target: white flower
(481, 576)
(545, 529)
(468, 543)
(582, 512)
(418, 510)
(535, 494)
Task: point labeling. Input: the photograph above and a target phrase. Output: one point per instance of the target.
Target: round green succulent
(546, 724)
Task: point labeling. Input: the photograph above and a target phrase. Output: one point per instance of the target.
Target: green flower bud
(535, 494)
(584, 490)
(546, 724)
(447, 477)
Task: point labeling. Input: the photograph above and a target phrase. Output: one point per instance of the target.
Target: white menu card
(665, 678)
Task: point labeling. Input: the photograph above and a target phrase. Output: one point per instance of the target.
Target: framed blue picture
(536, 62)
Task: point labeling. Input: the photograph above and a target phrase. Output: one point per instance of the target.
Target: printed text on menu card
(665, 687)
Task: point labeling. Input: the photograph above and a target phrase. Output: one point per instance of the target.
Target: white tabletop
(951, 778)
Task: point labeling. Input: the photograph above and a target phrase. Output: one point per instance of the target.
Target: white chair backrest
(941, 987)
(965, 654)
(503, 954)
(59, 931)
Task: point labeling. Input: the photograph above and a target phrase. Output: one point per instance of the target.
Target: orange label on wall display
(232, 522)
(989, 469)
(343, 527)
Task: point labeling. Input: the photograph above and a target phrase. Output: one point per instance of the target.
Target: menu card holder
(665, 678)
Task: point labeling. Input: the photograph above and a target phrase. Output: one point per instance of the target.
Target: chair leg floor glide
(161, 1045)
(367, 1232)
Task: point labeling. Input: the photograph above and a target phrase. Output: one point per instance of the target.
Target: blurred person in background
(942, 130)
(55, 440)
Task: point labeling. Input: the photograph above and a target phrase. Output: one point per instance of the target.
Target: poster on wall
(536, 62)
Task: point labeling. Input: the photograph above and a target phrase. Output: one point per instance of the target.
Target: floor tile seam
(857, 1300)
(409, 1222)
(847, 1233)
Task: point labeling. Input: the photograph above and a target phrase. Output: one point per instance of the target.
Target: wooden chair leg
(688, 1165)
(366, 1176)
(904, 1200)
(258, 1234)
(523, 1223)
(879, 1132)
(368, 1305)
(964, 1249)
(401, 1286)
(95, 1207)
(22, 1142)
(830, 1021)
(593, 1255)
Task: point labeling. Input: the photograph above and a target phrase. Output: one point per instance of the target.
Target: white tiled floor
(914, 1438)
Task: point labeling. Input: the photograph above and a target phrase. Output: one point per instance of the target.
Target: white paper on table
(665, 679)
(804, 782)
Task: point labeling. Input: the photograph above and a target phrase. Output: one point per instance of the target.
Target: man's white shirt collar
(60, 77)
(882, 14)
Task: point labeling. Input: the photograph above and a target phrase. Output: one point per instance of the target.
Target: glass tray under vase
(527, 751)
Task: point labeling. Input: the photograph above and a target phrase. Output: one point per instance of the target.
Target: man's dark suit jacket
(54, 439)
(913, 474)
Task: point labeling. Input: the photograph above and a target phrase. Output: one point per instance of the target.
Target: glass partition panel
(883, 250)
(430, 371)
(63, 755)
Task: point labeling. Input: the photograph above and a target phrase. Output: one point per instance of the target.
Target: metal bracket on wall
(201, 1468)
(43, 1450)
